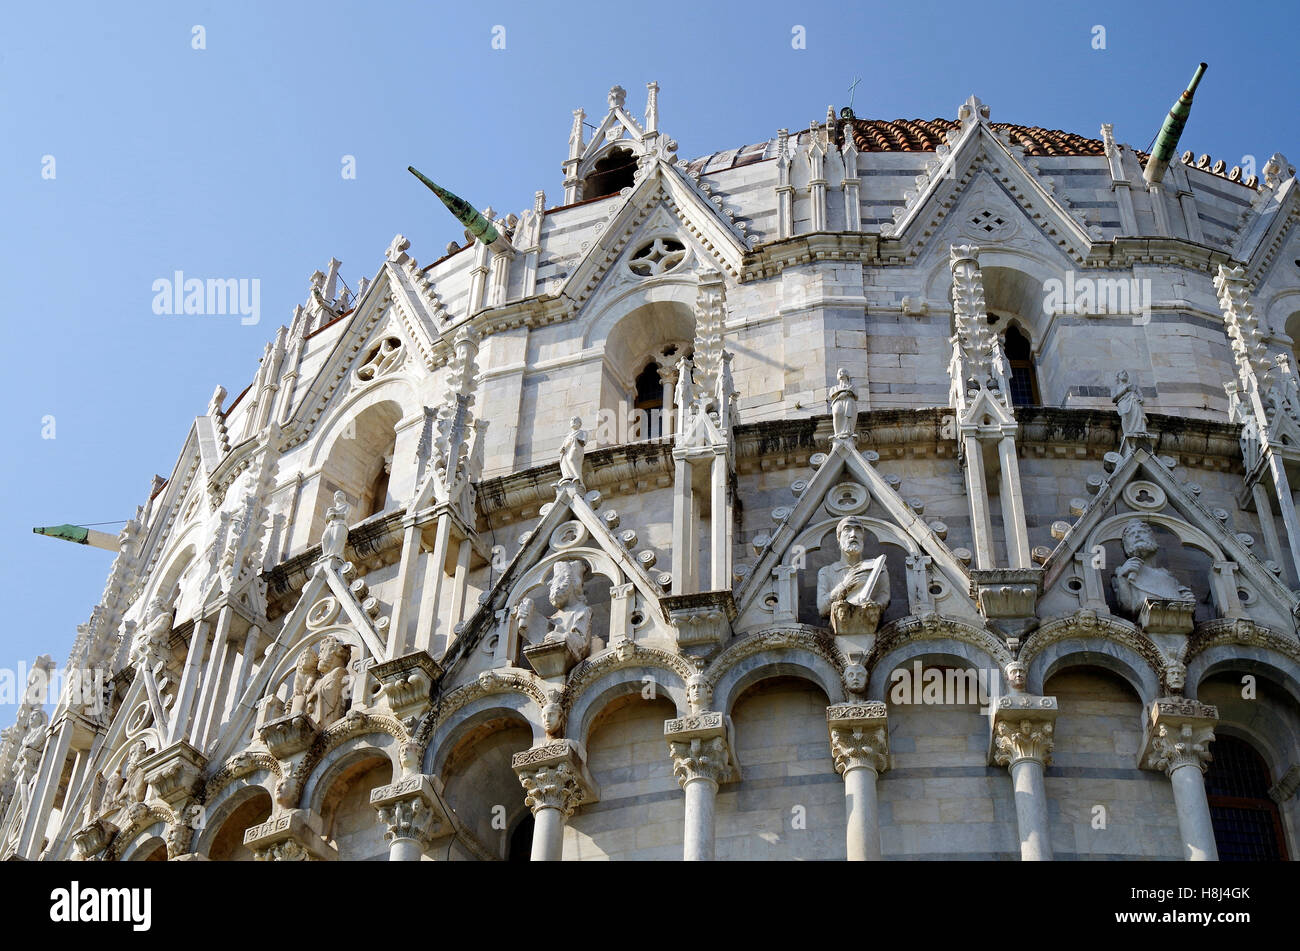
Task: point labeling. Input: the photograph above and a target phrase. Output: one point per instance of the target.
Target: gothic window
(1020, 362)
(1247, 825)
(610, 175)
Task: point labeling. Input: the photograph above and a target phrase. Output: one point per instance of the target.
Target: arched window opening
(648, 403)
(521, 840)
(611, 174)
(378, 494)
(1247, 824)
(1020, 363)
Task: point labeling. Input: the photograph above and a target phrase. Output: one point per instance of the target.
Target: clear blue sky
(226, 161)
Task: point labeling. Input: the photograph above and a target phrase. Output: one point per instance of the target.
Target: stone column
(1177, 742)
(1022, 739)
(556, 781)
(860, 745)
(411, 808)
(703, 759)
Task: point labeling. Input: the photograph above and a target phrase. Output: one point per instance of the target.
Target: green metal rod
(465, 213)
(80, 535)
(1167, 141)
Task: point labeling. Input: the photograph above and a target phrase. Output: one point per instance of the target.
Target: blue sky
(226, 162)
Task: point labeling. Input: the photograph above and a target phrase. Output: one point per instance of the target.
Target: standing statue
(304, 679)
(1138, 579)
(853, 592)
(571, 452)
(328, 701)
(844, 407)
(571, 622)
(335, 536)
(1128, 401)
(682, 395)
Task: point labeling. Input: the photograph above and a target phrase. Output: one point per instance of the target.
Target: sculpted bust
(1138, 579)
(853, 592)
(571, 622)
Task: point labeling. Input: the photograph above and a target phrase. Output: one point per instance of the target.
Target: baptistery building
(877, 490)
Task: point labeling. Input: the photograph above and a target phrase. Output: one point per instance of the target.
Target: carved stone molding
(406, 683)
(292, 836)
(1023, 728)
(288, 735)
(701, 748)
(1006, 592)
(702, 620)
(1179, 733)
(859, 736)
(174, 773)
(1165, 616)
(94, 838)
(552, 660)
(554, 776)
(1286, 787)
(412, 809)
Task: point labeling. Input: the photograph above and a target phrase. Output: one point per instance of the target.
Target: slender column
(458, 588)
(556, 782)
(719, 544)
(684, 538)
(668, 380)
(405, 587)
(215, 689)
(208, 678)
(702, 760)
(860, 746)
(1177, 743)
(193, 661)
(47, 784)
(1023, 737)
(430, 593)
(412, 811)
(1267, 525)
(977, 492)
(1013, 505)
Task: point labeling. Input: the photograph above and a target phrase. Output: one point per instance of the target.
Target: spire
(477, 225)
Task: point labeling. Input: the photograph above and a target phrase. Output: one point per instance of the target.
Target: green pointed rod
(1167, 140)
(465, 213)
(80, 536)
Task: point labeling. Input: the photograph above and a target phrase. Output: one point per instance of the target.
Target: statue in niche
(304, 679)
(844, 407)
(127, 784)
(853, 592)
(1128, 402)
(335, 536)
(572, 451)
(1138, 579)
(327, 700)
(682, 396)
(571, 622)
(150, 641)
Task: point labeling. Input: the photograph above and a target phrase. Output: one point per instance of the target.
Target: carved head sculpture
(340, 501)
(1121, 378)
(699, 693)
(333, 654)
(1017, 675)
(1139, 540)
(552, 717)
(842, 377)
(409, 756)
(1175, 677)
(855, 677)
(566, 583)
(851, 533)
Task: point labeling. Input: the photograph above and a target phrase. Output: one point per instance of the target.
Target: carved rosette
(1179, 734)
(292, 836)
(1024, 728)
(554, 776)
(411, 809)
(859, 736)
(701, 748)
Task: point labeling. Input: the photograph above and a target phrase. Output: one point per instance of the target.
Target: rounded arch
(344, 758)
(598, 694)
(242, 804)
(610, 169)
(731, 677)
(935, 651)
(150, 845)
(1264, 662)
(395, 397)
(482, 712)
(1091, 651)
(166, 583)
(1112, 528)
(644, 317)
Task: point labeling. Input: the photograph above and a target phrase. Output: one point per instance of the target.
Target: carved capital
(859, 736)
(1007, 592)
(406, 683)
(174, 772)
(701, 748)
(554, 776)
(1024, 728)
(412, 809)
(1179, 734)
(288, 735)
(292, 836)
(701, 620)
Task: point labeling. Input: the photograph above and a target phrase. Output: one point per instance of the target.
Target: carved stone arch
(1112, 528)
(597, 560)
(777, 653)
(399, 390)
(178, 561)
(144, 845)
(344, 755)
(933, 637)
(151, 820)
(604, 155)
(237, 767)
(282, 674)
(1136, 669)
(598, 693)
(1268, 664)
(230, 798)
(631, 323)
(481, 709)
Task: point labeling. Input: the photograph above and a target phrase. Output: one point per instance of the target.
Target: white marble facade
(518, 552)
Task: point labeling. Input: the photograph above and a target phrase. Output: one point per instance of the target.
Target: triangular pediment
(983, 160)
(1143, 487)
(847, 483)
(667, 199)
